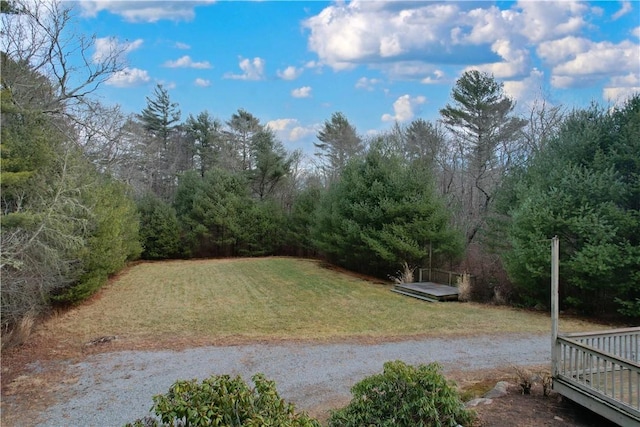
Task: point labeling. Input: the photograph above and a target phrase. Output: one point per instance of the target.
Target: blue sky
(293, 63)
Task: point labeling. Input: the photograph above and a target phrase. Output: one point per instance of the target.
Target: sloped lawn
(275, 298)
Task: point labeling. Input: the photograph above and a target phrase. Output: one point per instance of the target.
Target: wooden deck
(601, 371)
(428, 291)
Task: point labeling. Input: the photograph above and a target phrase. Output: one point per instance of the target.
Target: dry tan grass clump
(20, 333)
(464, 287)
(405, 275)
(527, 378)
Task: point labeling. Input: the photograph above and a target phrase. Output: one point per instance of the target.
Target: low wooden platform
(428, 291)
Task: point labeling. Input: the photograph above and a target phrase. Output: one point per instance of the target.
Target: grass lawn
(275, 298)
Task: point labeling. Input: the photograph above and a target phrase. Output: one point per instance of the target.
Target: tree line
(87, 188)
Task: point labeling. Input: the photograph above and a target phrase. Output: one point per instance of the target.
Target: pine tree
(485, 130)
(339, 142)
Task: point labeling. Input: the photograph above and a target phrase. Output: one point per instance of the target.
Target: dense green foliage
(224, 401)
(301, 220)
(381, 213)
(159, 228)
(585, 188)
(403, 396)
(111, 239)
(65, 226)
(338, 142)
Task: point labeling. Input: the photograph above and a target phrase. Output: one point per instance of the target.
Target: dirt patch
(535, 410)
(518, 409)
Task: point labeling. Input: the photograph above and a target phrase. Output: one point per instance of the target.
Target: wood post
(555, 273)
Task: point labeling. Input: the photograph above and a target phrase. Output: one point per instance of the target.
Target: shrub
(224, 401)
(403, 395)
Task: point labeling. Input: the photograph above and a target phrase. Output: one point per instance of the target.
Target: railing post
(555, 272)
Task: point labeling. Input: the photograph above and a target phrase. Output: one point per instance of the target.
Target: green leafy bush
(403, 395)
(224, 401)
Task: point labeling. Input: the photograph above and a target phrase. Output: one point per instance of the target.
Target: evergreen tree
(211, 211)
(272, 164)
(584, 188)
(302, 218)
(381, 213)
(161, 116)
(65, 228)
(242, 128)
(159, 228)
(424, 141)
(206, 135)
(482, 121)
(165, 149)
(339, 142)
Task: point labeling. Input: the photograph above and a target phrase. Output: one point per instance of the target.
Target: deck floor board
(430, 289)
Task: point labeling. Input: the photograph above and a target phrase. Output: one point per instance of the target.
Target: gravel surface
(115, 388)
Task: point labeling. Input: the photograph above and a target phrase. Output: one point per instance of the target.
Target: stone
(499, 390)
(478, 401)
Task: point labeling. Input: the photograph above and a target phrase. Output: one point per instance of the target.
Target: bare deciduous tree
(41, 35)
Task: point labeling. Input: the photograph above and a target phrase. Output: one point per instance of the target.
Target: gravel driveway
(115, 388)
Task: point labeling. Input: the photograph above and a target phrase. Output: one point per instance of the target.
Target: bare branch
(42, 37)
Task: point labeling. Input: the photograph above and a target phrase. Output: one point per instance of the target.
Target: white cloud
(300, 132)
(182, 46)
(543, 20)
(556, 51)
(202, 82)
(577, 62)
(409, 70)
(516, 61)
(109, 46)
(187, 62)
(344, 35)
(621, 88)
(601, 58)
(636, 32)
(144, 11)
(290, 73)
(367, 83)
(313, 64)
(403, 108)
(436, 76)
(624, 9)
(129, 77)
(487, 25)
(526, 90)
(290, 130)
(411, 40)
(280, 124)
(301, 92)
(251, 70)
(580, 62)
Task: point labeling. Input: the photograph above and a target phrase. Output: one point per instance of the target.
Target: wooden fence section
(440, 276)
(601, 371)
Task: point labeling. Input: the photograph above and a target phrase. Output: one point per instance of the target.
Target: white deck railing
(624, 343)
(602, 364)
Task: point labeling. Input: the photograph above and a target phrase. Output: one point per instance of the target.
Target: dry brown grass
(273, 299)
(464, 287)
(405, 275)
(20, 333)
